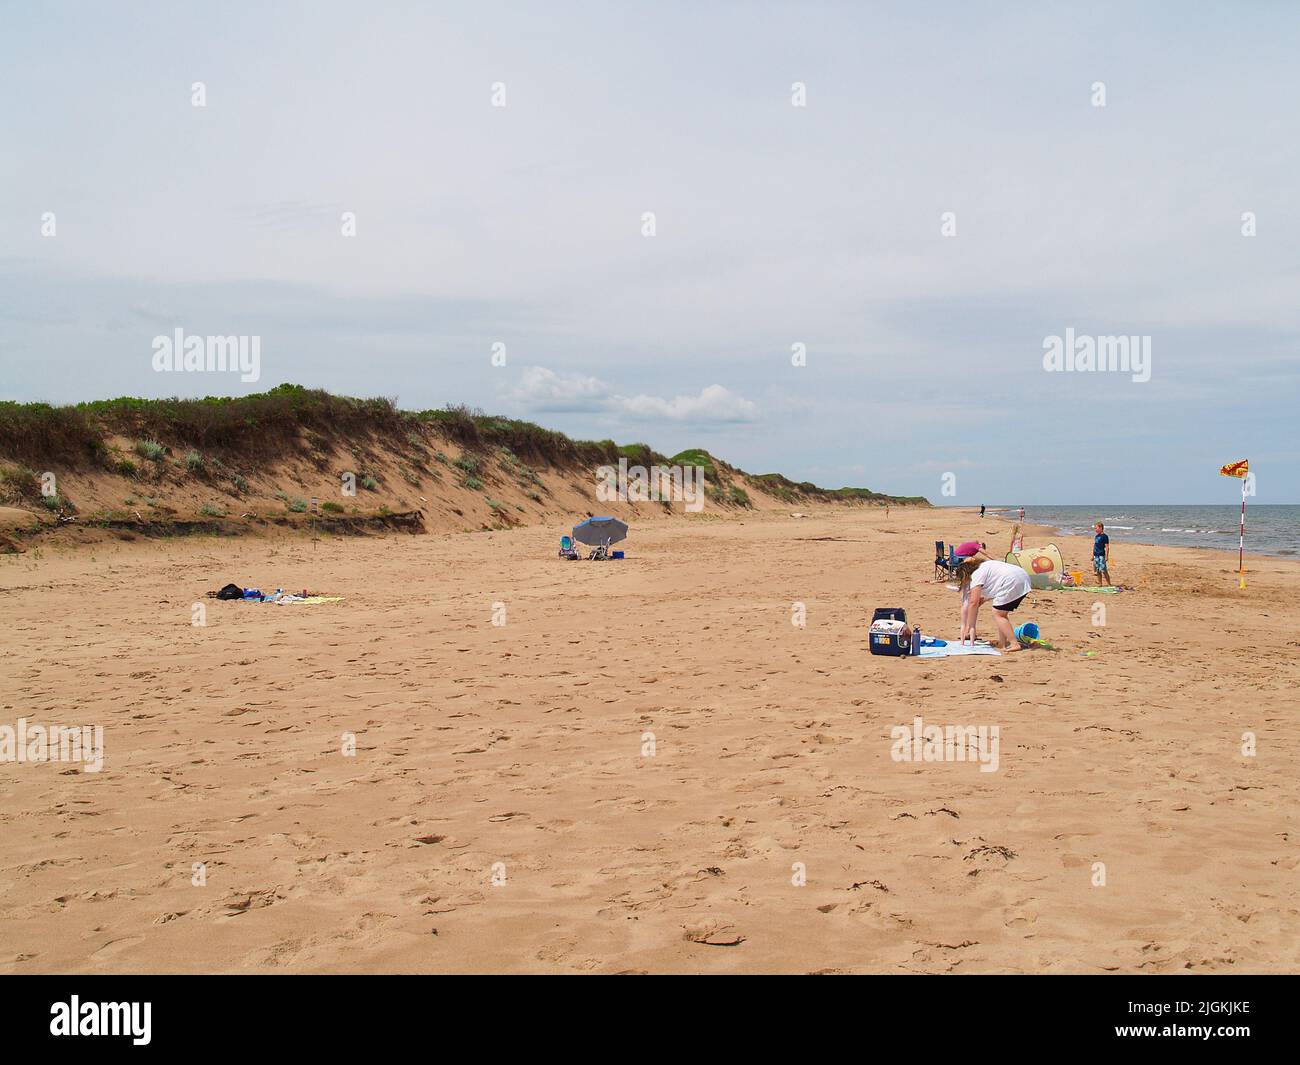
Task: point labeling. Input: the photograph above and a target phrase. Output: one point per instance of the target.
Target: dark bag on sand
(231, 591)
(890, 613)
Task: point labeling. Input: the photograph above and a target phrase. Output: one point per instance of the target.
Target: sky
(947, 196)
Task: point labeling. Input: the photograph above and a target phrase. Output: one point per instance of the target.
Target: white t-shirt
(1000, 582)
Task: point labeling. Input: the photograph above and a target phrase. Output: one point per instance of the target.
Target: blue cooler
(886, 636)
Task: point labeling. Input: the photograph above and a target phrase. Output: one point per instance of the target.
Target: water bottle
(916, 641)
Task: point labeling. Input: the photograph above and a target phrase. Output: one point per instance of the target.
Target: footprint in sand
(712, 933)
(114, 947)
(253, 900)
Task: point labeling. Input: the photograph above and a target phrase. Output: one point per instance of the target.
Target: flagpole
(1241, 548)
(1240, 469)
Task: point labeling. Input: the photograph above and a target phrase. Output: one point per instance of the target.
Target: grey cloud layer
(775, 224)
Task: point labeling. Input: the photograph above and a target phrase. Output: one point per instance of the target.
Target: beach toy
(1027, 633)
(1028, 636)
(1076, 576)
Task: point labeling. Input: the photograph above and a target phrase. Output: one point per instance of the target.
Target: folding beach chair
(941, 560)
(567, 549)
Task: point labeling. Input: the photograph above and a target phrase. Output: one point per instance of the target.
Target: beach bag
(231, 591)
(891, 613)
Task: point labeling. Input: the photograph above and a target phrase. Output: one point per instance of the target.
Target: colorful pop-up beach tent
(1043, 564)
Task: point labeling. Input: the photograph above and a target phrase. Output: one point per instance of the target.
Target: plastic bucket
(1076, 576)
(1026, 632)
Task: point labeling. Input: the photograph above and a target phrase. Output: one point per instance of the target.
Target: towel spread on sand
(947, 650)
(252, 595)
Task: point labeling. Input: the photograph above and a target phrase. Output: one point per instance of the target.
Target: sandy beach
(630, 773)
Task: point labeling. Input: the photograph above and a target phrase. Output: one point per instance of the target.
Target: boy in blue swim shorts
(1101, 554)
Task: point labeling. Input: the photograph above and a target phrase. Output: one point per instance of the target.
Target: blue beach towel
(942, 649)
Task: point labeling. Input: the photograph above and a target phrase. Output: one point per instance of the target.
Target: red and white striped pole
(1241, 549)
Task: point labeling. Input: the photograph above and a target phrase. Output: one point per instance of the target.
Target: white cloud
(540, 389)
(713, 404)
(544, 390)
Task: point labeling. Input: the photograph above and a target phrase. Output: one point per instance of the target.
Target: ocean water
(1270, 529)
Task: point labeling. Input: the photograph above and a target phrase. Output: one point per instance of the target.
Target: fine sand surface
(516, 751)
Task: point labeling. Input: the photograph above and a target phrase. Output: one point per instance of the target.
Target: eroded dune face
(296, 457)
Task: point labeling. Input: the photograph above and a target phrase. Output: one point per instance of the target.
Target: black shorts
(1008, 607)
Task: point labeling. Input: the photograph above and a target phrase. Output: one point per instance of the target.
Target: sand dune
(517, 753)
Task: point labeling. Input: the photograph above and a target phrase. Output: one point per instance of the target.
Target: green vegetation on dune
(530, 443)
(720, 477)
(261, 425)
(642, 455)
(780, 486)
(696, 456)
(257, 424)
(30, 431)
